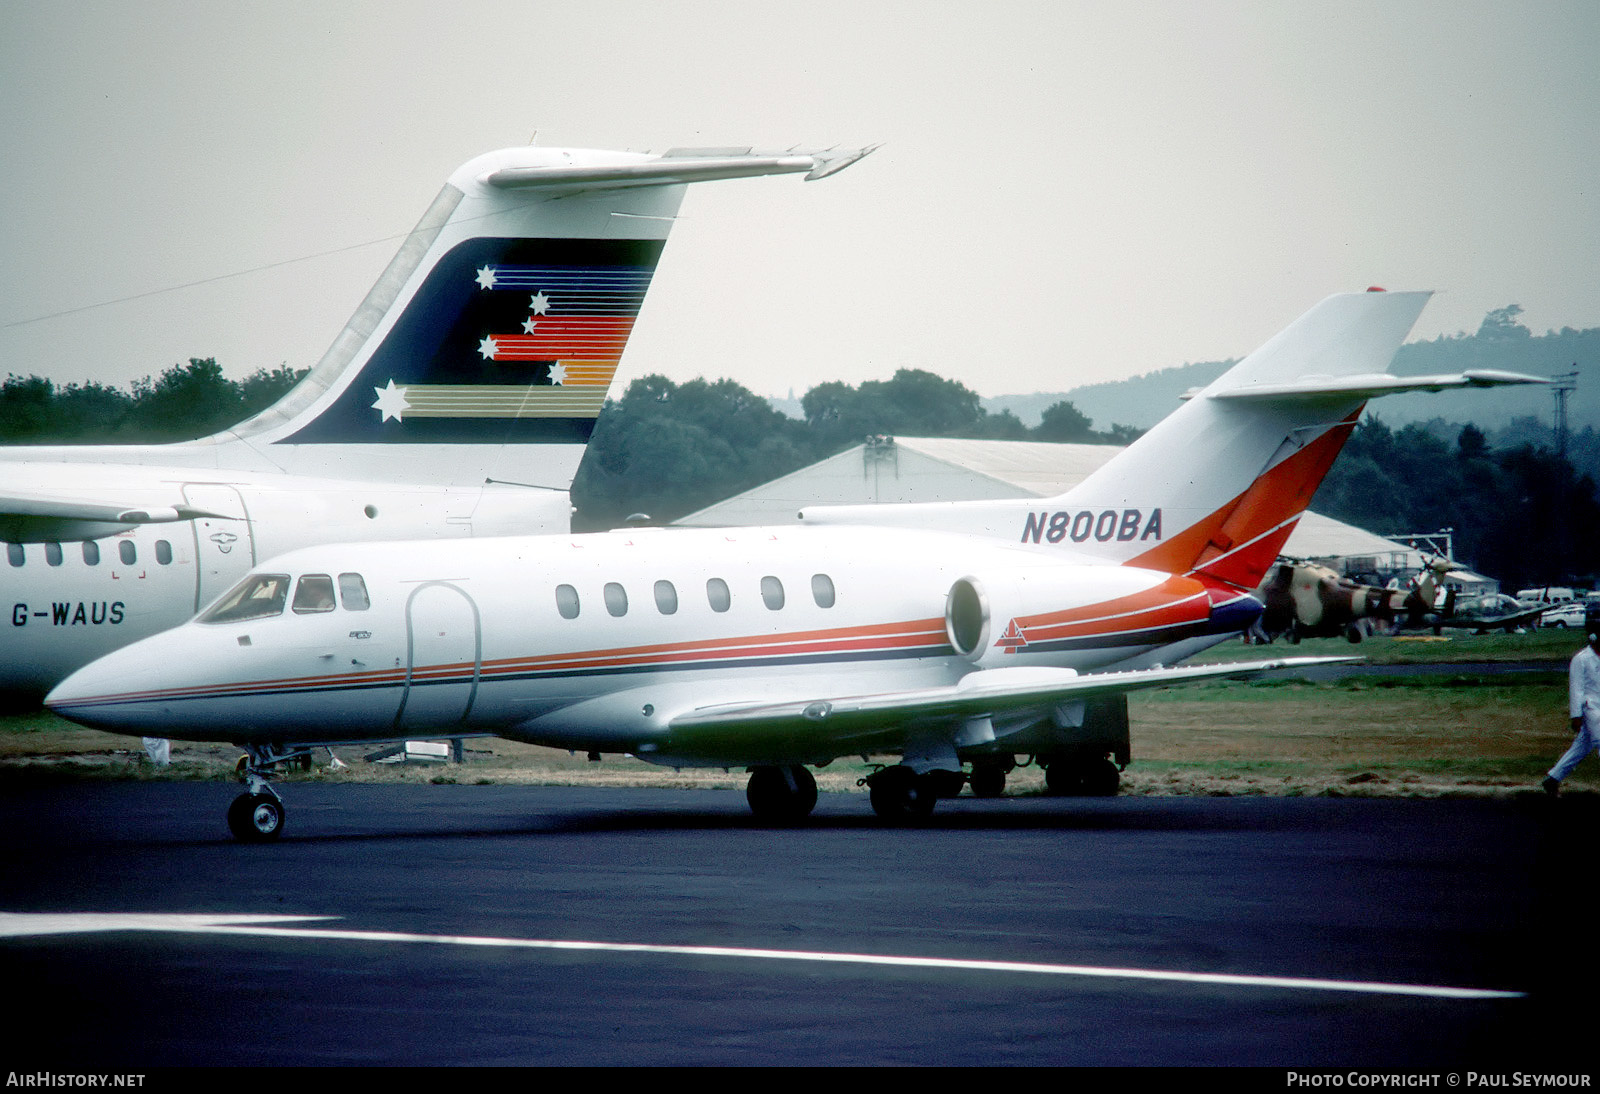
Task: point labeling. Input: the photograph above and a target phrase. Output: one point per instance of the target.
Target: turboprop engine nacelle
(990, 618)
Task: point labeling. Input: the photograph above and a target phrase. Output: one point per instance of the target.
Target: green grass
(1450, 648)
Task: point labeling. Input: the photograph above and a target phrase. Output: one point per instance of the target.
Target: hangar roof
(907, 469)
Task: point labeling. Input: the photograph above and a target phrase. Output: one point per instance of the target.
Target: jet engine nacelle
(992, 617)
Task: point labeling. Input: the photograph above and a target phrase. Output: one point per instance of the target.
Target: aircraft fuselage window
(127, 552)
(772, 592)
(353, 593)
(666, 598)
(15, 554)
(52, 553)
(163, 552)
(91, 553)
(258, 596)
(822, 590)
(616, 599)
(717, 594)
(314, 593)
(567, 601)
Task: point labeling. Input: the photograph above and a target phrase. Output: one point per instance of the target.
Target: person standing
(1583, 704)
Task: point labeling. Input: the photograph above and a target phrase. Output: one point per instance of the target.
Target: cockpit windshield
(256, 597)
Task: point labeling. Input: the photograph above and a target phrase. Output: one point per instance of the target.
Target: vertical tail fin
(491, 340)
(1217, 486)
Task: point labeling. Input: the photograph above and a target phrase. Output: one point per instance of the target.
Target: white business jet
(456, 402)
(969, 634)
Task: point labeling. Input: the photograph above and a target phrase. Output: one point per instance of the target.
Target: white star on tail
(486, 277)
(558, 373)
(391, 401)
(486, 348)
(539, 302)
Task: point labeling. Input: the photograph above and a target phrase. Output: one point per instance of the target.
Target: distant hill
(1141, 401)
(1501, 343)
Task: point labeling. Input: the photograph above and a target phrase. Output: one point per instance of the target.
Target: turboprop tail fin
(491, 340)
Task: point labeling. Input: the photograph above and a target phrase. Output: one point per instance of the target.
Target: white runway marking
(18, 924)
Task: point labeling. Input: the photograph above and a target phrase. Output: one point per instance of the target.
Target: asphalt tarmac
(1129, 931)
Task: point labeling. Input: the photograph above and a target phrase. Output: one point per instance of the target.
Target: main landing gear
(781, 794)
(1084, 776)
(900, 794)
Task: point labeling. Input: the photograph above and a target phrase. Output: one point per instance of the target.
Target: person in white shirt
(1583, 706)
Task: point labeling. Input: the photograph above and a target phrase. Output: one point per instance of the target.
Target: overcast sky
(1067, 192)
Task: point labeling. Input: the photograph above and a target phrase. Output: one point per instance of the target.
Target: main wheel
(898, 793)
(1098, 778)
(256, 818)
(987, 780)
(783, 794)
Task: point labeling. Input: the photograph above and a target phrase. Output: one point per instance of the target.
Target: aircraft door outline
(443, 627)
(224, 547)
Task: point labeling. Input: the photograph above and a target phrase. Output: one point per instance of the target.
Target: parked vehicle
(1563, 615)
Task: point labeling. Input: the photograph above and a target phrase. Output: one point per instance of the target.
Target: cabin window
(258, 596)
(666, 598)
(567, 601)
(163, 552)
(822, 590)
(616, 599)
(127, 552)
(772, 593)
(313, 594)
(353, 593)
(52, 553)
(717, 594)
(91, 553)
(15, 554)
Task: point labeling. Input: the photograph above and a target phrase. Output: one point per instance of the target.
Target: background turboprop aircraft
(1015, 630)
(456, 402)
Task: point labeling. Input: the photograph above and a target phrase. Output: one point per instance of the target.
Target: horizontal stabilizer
(677, 166)
(1373, 385)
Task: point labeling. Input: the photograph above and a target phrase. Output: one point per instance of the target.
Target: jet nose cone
(120, 693)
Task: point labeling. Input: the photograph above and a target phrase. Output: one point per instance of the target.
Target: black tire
(1096, 778)
(900, 794)
(256, 818)
(987, 780)
(1101, 779)
(772, 798)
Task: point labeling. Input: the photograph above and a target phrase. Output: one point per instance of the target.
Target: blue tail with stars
(488, 346)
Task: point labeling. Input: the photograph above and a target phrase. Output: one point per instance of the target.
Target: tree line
(667, 449)
(1520, 513)
(184, 402)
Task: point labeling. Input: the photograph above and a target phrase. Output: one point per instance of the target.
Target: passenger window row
(127, 551)
(718, 596)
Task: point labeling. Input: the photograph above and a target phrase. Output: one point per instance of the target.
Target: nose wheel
(256, 818)
(257, 815)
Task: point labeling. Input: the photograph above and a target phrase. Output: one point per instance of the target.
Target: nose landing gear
(258, 815)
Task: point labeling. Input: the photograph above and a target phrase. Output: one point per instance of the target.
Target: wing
(35, 518)
(837, 725)
(1496, 622)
